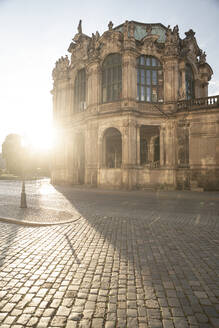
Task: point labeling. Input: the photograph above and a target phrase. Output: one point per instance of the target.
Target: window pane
(138, 93)
(115, 74)
(148, 77)
(138, 76)
(80, 91)
(154, 77)
(148, 94)
(154, 62)
(142, 94)
(111, 78)
(148, 62)
(142, 60)
(142, 76)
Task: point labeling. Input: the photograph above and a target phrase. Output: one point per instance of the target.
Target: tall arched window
(190, 86)
(112, 78)
(149, 79)
(113, 148)
(80, 91)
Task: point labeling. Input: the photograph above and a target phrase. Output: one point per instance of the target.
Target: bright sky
(35, 33)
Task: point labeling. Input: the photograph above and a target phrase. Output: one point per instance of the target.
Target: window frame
(80, 91)
(111, 85)
(149, 78)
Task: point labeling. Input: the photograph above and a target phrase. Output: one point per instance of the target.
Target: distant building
(133, 111)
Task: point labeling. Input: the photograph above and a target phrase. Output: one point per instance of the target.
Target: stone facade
(131, 108)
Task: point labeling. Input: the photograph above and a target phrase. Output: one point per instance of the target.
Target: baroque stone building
(132, 110)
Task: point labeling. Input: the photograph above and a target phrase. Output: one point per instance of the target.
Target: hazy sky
(35, 33)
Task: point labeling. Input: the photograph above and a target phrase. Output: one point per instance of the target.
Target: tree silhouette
(13, 152)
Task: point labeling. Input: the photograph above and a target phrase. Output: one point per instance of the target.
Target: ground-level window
(113, 148)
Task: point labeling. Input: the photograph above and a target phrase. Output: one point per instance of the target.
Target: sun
(40, 139)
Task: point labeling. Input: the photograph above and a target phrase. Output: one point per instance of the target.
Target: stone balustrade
(198, 103)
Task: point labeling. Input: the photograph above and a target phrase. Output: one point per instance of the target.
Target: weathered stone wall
(188, 140)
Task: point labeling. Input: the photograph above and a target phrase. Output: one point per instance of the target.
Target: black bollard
(23, 196)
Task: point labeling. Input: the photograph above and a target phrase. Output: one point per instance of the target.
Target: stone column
(171, 79)
(129, 153)
(91, 151)
(170, 141)
(129, 78)
(93, 85)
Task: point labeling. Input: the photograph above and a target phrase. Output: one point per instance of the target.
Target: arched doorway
(112, 148)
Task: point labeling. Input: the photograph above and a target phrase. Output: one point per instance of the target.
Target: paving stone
(164, 276)
(58, 321)
(214, 322)
(167, 324)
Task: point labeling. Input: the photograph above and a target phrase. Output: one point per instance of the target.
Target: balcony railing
(198, 103)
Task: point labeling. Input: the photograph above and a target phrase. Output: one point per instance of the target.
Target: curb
(36, 224)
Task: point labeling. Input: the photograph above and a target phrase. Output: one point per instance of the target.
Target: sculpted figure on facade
(61, 68)
(172, 41)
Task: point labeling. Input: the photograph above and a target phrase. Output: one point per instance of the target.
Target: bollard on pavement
(23, 196)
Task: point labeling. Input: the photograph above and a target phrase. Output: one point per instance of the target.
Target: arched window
(80, 91)
(112, 78)
(190, 87)
(113, 148)
(149, 79)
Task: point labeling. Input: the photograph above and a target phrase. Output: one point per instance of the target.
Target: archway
(113, 148)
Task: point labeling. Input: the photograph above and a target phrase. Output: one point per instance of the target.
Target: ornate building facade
(132, 110)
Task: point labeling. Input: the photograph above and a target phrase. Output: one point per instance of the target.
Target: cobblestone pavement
(150, 265)
(45, 203)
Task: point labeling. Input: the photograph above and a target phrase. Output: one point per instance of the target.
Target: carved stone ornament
(190, 34)
(126, 29)
(80, 27)
(149, 29)
(94, 45)
(110, 25)
(202, 57)
(189, 43)
(150, 41)
(61, 68)
(172, 41)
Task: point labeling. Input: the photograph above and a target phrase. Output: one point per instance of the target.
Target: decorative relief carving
(94, 46)
(61, 68)
(172, 41)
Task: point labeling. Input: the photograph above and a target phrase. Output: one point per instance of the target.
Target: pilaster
(93, 84)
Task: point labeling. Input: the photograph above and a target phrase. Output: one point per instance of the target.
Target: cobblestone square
(127, 259)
